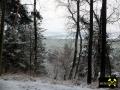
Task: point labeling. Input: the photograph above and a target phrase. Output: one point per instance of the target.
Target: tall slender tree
(103, 52)
(2, 16)
(35, 34)
(90, 44)
(79, 32)
(30, 51)
(76, 41)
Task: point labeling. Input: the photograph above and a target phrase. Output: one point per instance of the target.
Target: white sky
(54, 19)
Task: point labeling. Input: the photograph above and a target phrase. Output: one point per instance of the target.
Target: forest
(34, 55)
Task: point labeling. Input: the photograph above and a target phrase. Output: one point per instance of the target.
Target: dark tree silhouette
(2, 16)
(76, 41)
(35, 34)
(90, 44)
(103, 52)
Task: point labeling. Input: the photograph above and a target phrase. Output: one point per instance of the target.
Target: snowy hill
(12, 83)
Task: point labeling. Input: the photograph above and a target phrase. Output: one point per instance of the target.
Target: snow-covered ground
(18, 83)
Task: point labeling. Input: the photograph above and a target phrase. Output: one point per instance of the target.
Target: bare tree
(30, 49)
(98, 27)
(80, 55)
(90, 44)
(35, 34)
(76, 41)
(103, 53)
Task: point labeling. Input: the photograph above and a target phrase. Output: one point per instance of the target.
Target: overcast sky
(54, 18)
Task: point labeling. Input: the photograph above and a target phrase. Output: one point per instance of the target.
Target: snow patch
(18, 82)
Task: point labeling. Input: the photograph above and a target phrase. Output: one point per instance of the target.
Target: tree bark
(35, 34)
(78, 63)
(30, 51)
(103, 52)
(1, 31)
(76, 42)
(90, 44)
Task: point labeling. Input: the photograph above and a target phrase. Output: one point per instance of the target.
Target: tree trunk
(30, 51)
(103, 52)
(90, 44)
(79, 59)
(108, 63)
(76, 42)
(2, 16)
(35, 34)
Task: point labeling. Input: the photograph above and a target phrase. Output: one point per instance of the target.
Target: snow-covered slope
(30, 85)
(15, 84)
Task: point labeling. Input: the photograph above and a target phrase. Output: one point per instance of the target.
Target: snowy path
(36, 85)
